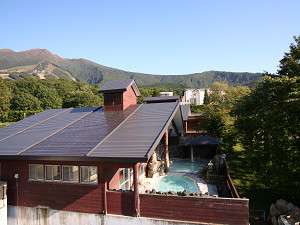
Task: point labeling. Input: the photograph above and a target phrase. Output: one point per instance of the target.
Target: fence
(196, 209)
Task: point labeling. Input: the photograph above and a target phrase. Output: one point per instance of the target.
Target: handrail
(229, 181)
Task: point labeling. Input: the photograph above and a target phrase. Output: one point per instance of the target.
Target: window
(142, 170)
(63, 173)
(53, 173)
(88, 174)
(70, 173)
(36, 172)
(126, 178)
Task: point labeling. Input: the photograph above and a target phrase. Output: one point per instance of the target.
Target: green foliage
(30, 95)
(290, 64)
(14, 116)
(25, 101)
(218, 120)
(81, 99)
(153, 91)
(5, 96)
(268, 123)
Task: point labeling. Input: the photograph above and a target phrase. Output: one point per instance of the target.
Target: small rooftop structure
(119, 94)
(120, 85)
(161, 99)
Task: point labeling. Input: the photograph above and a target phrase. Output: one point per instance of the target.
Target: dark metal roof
(136, 137)
(120, 85)
(185, 111)
(28, 123)
(161, 99)
(79, 138)
(200, 140)
(89, 133)
(22, 141)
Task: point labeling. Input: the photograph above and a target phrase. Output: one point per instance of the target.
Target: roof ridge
(19, 153)
(116, 128)
(40, 122)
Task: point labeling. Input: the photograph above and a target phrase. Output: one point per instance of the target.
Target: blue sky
(157, 36)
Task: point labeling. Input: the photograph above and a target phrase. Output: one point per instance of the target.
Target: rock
(290, 207)
(281, 205)
(274, 220)
(295, 215)
(274, 211)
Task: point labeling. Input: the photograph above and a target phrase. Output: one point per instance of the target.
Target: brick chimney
(119, 94)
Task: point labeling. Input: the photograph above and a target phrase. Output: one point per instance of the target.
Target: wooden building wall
(129, 98)
(113, 101)
(120, 203)
(117, 101)
(88, 198)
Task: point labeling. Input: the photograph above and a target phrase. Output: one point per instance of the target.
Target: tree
(5, 97)
(290, 64)
(23, 101)
(83, 99)
(206, 97)
(218, 120)
(48, 97)
(268, 123)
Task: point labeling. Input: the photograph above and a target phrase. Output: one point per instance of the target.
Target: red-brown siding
(113, 101)
(61, 196)
(129, 98)
(120, 203)
(205, 210)
(117, 101)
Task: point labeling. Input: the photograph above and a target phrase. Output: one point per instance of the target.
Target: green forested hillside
(15, 64)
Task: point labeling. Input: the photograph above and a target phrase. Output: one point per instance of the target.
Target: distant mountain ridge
(42, 63)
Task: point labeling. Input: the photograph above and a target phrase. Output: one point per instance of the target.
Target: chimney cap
(119, 86)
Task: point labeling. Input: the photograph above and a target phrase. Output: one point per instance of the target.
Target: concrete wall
(18, 215)
(3, 211)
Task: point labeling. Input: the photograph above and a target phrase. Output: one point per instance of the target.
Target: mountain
(42, 63)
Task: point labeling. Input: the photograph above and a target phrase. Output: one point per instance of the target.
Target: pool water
(177, 183)
(177, 179)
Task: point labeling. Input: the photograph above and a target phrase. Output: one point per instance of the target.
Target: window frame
(127, 179)
(78, 176)
(52, 180)
(88, 182)
(33, 166)
(35, 179)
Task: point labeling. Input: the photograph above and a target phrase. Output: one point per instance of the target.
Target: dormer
(119, 94)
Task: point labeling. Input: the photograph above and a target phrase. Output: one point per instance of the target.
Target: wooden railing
(232, 188)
